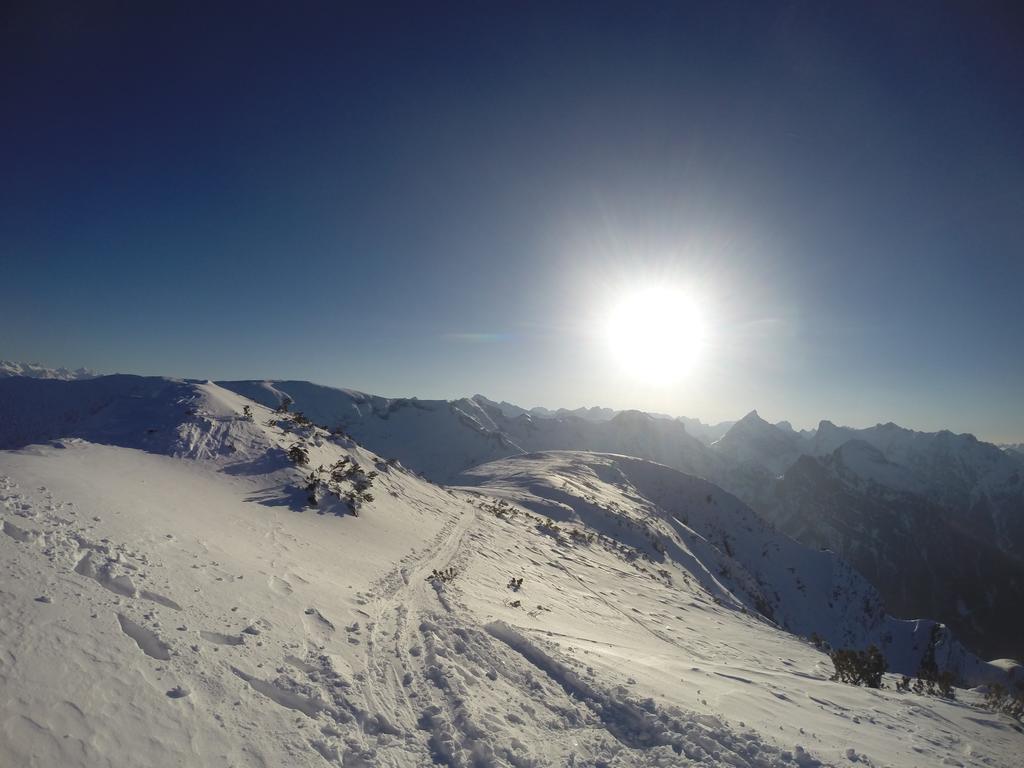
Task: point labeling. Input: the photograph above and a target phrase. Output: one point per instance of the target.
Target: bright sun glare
(656, 334)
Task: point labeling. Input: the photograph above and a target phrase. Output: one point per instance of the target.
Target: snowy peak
(753, 441)
(508, 410)
(828, 437)
(39, 371)
(512, 411)
(951, 467)
(633, 418)
(861, 462)
(592, 413)
(706, 433)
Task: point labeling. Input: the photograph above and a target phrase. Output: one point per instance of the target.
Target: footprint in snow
(279, 586)
(148, 641)
(319, 629)
(219, 638)
(24, 535)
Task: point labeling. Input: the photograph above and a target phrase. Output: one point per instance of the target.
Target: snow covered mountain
(753, 441)
(594, 413)
(976, 481)
(171, 590)
(38, 371)
(934, 520)
(706, 433)
(951, 467)
(925, 560)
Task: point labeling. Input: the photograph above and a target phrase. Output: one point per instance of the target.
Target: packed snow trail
(426, 652)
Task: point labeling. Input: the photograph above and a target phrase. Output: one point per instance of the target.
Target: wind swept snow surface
(168, 597)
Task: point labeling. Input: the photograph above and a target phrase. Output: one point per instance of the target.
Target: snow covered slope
(186, 610)
(437, 438)
(977, 480)
(133, 411)
(168, 597)
(667, 517)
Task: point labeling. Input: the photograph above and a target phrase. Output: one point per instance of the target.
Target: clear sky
(439, 199)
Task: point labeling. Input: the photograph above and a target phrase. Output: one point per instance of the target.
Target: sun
(656, 334)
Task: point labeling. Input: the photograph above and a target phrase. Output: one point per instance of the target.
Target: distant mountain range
(39, 371)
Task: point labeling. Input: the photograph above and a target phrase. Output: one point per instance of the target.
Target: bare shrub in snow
(859, 667)
(313, 488)
(347, 480)
(549, 528)
(443, 576)
(298, 454)
(579, 537)
(930, 679)
(499, 508)
(999, 698)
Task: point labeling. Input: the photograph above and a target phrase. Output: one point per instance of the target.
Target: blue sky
(448, 199)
